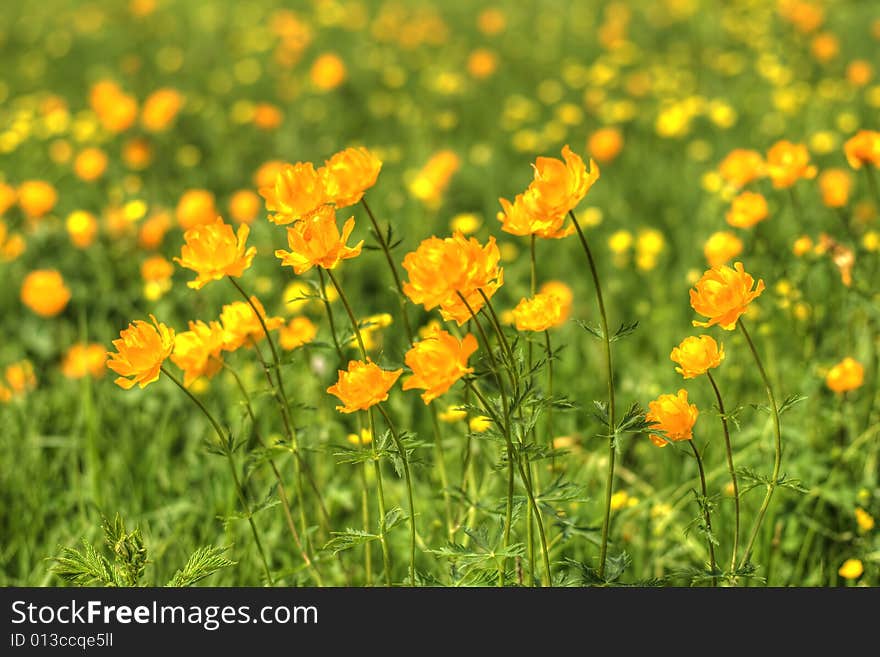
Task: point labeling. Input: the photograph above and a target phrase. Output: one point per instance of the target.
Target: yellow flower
(539, 313)
(160, 109)
(316, 242)
(244, 206)
(721, 248)
(723, 294)
(297, 192)
(432, 180)
(36, 198)
(465, 223)
(20, 377)
(82, 228)
(44, 292)
(452, 414)
(214, 251)
(197, 351)
(152, 231)
(747, 209)
(327, 72)
(349, 174)
(605, 144)
(90, 164)
(516, 219)
(835, 185)
(697, 355)
(863, 148)
(241, 324)
(83, 360)
(851, 569)
(362, 385)
(802, 245)
(787, 163)
(267, 116)
(864, 520)
(620, 242)
(649, 245)
(195, 208)
(480, 424)
(565, 295)
(847, 375)
(116, 109)
(559, 185)
(441, 269)
(140, 351)
(365, 438)
(297, 332)
(437, 362)
(672, 415)
(741, 166)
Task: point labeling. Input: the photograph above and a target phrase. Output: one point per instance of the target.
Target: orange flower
(432, 180)
(83, 360)
(90, 164)
(843, 257)
(802, 245)
(116, 110)
(316, 242)
(672, 415)
(36, 198)
(242, 325)
(787, 163)
(847, 375)
(437, 362)
(723, 294)
(835, 185)
(605, 144)
(327, 72)
(741, 166)
(160, 109)
(244, 206)
(267, 116)
(12, 245)
(196, 207)
(152, 231)
(20, 377)
(156, 268)
(266, 174)
(362, 385)
(516, 219)
(137, 153)
(538, 313)
(441, 269)
(44, 292)
(558, 186)
(697, 355)
(297, 192)
(481, 63)
(82, 228)
(140, 351)
(859, 72)
(214, 251)
(825, 46)
(747, 209)
(197, 351)
(297, 332)
(863, 148)
(565, 295)
(349, 174)
(721, 248)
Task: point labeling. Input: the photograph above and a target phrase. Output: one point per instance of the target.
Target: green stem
(365, 511)
(704, 504)
(730, 468)
(228, 453)
(351, 316)
(549, 395)
(872, 184)
(612, 447)
(777, 460)
(330, 319)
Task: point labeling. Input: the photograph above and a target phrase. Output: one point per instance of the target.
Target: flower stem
(730, 469)
(330, 319)
(777, 430)
(549, 394)
(228, 453)
(872, 183)
(351, 316)
(612, 446)
(704, 504)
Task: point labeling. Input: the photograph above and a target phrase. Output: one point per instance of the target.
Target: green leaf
(790, 401)
(626, 328)
(595, 331)
(348, 539)
(205, 561)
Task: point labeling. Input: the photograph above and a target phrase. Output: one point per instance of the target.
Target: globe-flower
(214, 251)
(697, 355)
(537, 313)
(674, 416)
(432, 180)
(741, 166)
(317, 242)
(81, 228)
(605, 144)
(851, 569)
(36, 198)
(787, 163)
(90, 164)
(441, 269)
(746, 210)
(297, 332)
(559, 185)
(846, 375)
(197, 351)
(44, 292)
(20, 377)
(723, 294)
(83, 360)
(863, 148)
(116, 109)
(242, 325)
(564, 294)
(140, 352)
(350, 173)
(160, 109)
(195, 208)
(835, 186)
(437, 362)
(362, 385)
(297, 192)
(244, 206)
(516, 219)
(721, 248)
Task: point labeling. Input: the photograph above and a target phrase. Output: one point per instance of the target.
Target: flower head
(787, 163)
(605, 144)
(297, 192)
(297, 332)
(316, 242)
(723, 294)
(835, 185)
(721, 248)
(747, 209)
(214, 251)
(516, 219)
(433, 178)
(160, 109)
(851, 569)
(36, 198)
(538, 313)
(140, 351)
(44, 292)
(741, 166)
(197, 351)
(559, 185)
(362, 385)
(242, 324)
(196, 207)
(437, 362)
(674, 416)
(83, 360)
(697, 355)
(863, 148)
(565, 295)
(442, 269)
(348, 174)
(847, 375)
(20, 377)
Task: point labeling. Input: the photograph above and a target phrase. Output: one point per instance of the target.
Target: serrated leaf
(205, 561)
(791, 401)
(348, 539)
(595, 331)
(626, 328)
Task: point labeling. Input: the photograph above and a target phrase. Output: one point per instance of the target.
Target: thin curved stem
(612, 426)
(549, 394)
(238, 489)
(330, 319)
(409, 493)
(730, 468)
(704, 505)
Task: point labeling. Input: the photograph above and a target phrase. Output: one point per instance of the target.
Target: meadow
(606, 311)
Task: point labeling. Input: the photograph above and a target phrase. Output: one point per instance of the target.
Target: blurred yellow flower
(244, 206)
(863, 148)
(195, 208)
(198, 351)
(365, 438)
(44, 292)
(431, 181)
(605, 144)
(564, 294)
(81, 227)
(160, 109)
(846, 375)
(90, 164)
(465, 223)
(787, 163)
(802, 245)
(297, 332)
(36, 198)
(452, 414)
(851, 569)
(747, 209)
(82, 360)
(242, 325)
(864, 520)
(835, 186)
(721, 248)
(480, 424)
(327, 72)
(20, 377)
(537, 313)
